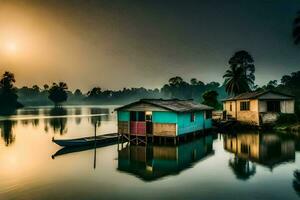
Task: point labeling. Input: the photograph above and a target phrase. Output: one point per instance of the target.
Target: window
(208, 114)
(245, 148)
(230, 107)
(273, 106)
(245, 105)
(141, 116)
(137, 116)
(192, 117)
(133, 116)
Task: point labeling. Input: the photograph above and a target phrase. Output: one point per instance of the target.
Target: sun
(11, 47)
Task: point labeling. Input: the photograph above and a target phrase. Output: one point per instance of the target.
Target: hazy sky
(116, 44)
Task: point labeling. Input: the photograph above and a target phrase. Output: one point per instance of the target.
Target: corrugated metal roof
(175, 105)
(253, 95)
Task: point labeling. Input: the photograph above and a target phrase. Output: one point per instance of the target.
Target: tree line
(58, 93)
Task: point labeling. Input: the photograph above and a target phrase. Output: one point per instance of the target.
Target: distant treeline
(175, 88)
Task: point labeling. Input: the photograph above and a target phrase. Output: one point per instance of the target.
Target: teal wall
(208, 123)
(164, 117)
(182, 119)
(123, 116)
(186, 126)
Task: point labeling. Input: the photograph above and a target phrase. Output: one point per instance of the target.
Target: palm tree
(8, 97)
(7, 81)
(235, 80)
(296, 29)
(58, 93)
(244, 60)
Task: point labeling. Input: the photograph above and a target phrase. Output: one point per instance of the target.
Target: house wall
(226, 107)
(123, 127)
(164, 123)
(164, 117)
(164, 129)
(286, 106)
(123, 116)
(248, 116)
(123, 122)
(186, 126)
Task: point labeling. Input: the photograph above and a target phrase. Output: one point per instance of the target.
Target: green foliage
(287, 119)
(8, 96)
(95, 92)
(240, 77)
(211, 99)
(235, 81)
(178, 88)
(58, 93)
(296, 29)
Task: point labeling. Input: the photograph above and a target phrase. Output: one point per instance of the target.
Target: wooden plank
(123, 127)
(164, 130)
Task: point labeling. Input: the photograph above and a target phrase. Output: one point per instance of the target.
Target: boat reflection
(266, 149)
(153, 162)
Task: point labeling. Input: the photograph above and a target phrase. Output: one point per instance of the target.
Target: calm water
(241, 166)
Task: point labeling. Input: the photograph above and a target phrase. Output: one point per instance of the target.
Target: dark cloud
(143, 43)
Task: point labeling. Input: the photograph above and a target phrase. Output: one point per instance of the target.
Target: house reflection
(266, 149)
(152, 162)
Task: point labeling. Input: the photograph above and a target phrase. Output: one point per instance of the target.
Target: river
(246, 165)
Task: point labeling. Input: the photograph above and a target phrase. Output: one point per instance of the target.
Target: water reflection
(153, 162)
(78, 112)
(54, 120)
(242, 168)
(267, 149)
(58, 123)
(6, 128)
(96, 118)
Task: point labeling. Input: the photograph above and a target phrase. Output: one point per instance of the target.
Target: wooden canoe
(87, 141)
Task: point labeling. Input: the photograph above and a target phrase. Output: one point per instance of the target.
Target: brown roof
(175, 105)
(256, 94)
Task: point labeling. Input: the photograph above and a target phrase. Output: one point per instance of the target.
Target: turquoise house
(163, 118)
